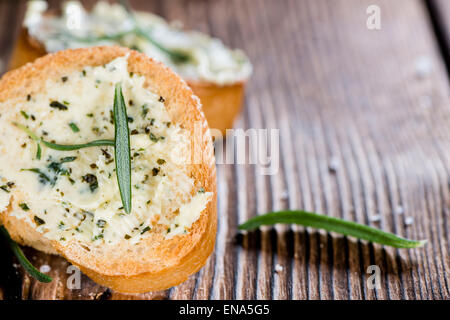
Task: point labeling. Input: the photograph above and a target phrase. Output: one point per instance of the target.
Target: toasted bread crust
(156, 263)
(221, 104)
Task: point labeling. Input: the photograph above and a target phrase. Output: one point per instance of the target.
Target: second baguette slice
(221, 103)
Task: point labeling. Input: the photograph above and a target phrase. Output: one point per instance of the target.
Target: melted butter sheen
(80, 198)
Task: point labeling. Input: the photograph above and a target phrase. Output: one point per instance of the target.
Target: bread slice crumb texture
(71, 198)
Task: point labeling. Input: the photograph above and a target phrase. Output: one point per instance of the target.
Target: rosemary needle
(122, 148)
(26, 264)
(318, 221)
(64, 147)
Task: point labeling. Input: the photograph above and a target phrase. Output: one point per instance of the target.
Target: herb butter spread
(75, 194)
(208, 59)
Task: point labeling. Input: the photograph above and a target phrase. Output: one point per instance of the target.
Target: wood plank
(334, 69)
(373, 105)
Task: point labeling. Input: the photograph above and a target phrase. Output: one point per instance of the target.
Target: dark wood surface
(376, 103)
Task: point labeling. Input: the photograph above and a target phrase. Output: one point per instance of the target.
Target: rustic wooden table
(373, 104)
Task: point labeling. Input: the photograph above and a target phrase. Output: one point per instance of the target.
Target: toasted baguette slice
(221, 103)
(157, 262)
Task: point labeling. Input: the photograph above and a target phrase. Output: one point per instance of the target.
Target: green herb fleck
(43, 178)
(144, 111)
(24, 114)
(91, 180)
(68, 159)
(101, 223)
(38, 220)
(145, 230)
(38, 151)
(74, 127)
(58, 105)
(24, 206)
(97, 237)
(153, 137)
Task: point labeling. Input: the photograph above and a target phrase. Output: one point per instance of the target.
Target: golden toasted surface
(156, 263)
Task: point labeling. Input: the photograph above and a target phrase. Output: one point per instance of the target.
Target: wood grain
(363, 118)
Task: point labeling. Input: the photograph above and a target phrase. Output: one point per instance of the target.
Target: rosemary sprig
(63, 147)
(90, 39)
(70, 147)
(175, 55)
(26, 264)
(122, 148)
(318, 221)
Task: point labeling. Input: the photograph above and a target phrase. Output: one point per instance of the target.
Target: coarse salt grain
(409, 221)
(423, 66)
(45, 268)
(375, 218)
(399, 210)
(284, 195)
(279, 268)
(333, 165)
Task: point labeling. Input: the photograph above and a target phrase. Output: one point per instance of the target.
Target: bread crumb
(409, 221)
(45, 268)
(375, 218)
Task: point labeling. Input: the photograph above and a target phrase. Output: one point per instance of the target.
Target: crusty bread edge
(162, 81)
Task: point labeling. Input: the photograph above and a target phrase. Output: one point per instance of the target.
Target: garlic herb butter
(200, 57)
(74, 193)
